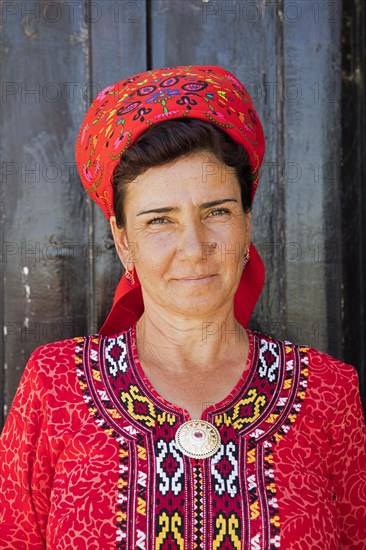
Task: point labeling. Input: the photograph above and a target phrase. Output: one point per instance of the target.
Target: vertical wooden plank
(44, 219)
(119, 50)
(353, 187)
(311, 106)
(241, 37)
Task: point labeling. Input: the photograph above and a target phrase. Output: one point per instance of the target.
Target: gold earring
(246, 259)
(130, 276)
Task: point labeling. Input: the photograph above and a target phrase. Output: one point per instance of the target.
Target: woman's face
(189, 239)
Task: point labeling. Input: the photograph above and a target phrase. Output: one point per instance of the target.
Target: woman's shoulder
(323, 369)
(65, 354)
(329, 388)
(59, 351)
(53, 361)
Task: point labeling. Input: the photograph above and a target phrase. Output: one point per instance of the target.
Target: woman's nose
(193, 241)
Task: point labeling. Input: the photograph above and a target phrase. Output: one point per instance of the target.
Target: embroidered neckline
(251, 423)
(260, 406)
(149, 390)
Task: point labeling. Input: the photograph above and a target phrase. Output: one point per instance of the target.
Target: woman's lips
(197, 279)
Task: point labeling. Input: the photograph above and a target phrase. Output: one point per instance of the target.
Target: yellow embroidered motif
(258, 401)
(272, 418)
(121, 484)
(107, 130)
(114, 413)
(275, 520)
(169, 525)
(123, 453)
(132, 398)
(222, 94)
(141, 506)
(227, 527)
(112, 112)
(251, 456)
(96, 375)
(223, 418)
(269, 459)
(166, 417)
(141, 452)
(120, 516)
(254, 510)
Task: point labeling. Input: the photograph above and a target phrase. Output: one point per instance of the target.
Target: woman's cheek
(160, 244)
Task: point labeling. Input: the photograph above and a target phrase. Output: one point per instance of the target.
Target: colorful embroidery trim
(167, 500)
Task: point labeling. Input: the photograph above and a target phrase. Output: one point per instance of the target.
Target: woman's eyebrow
(175, 209)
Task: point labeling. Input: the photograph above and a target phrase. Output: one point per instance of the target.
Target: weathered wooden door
(59, 267)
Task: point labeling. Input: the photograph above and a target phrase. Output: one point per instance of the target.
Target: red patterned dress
(89, 460)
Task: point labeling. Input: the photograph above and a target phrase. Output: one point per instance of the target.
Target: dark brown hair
(168, 140)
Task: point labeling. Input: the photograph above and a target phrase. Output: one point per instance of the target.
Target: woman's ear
(248, 227)
(120, 240)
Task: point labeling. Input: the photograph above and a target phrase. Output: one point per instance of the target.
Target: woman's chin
(197, 306)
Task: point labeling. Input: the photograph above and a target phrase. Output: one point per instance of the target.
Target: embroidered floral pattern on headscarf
(123, 111)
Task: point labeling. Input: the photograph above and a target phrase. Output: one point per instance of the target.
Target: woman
(176, 427)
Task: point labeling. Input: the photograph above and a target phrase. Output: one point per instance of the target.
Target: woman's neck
(189, 346)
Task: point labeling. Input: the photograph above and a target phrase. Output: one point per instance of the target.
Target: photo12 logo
(270, 10)
(35, 12)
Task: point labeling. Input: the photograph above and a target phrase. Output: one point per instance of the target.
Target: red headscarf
(123, 111)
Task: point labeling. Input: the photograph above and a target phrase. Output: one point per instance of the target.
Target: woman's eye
(220, 210)
(160, 221)
(156, 220)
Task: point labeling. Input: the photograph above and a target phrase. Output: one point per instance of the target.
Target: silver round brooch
(197, 439)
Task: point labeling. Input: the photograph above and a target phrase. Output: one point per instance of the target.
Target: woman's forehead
(199, 175)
